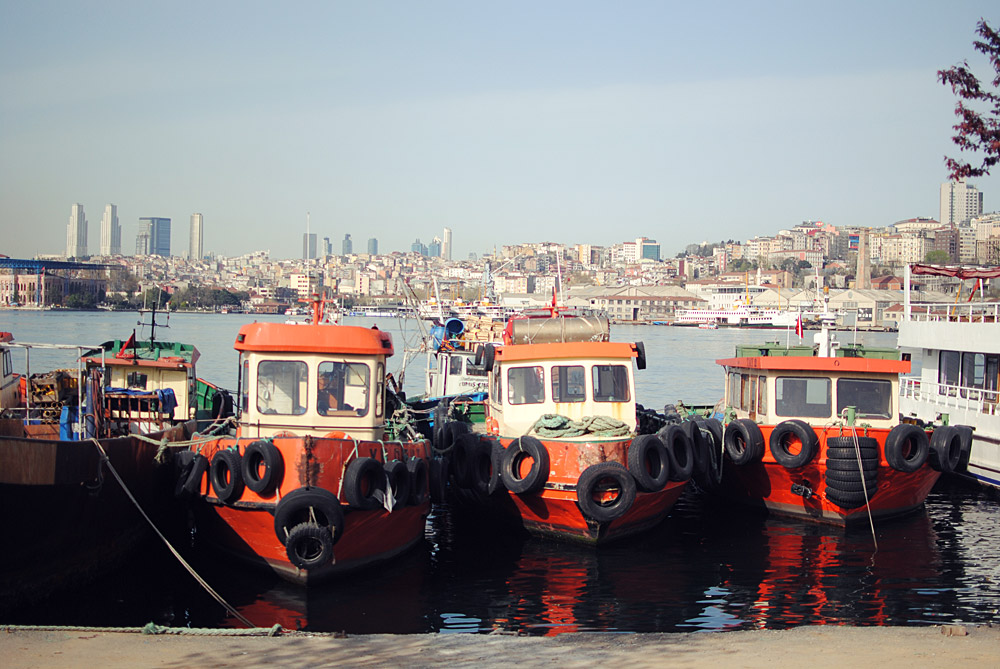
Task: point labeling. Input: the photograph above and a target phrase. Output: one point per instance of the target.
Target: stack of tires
(850, 482)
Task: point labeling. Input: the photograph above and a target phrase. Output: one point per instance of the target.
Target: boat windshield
(611, 383)
(872, 398)
(806, 397)
(342, 386)
(282, 387)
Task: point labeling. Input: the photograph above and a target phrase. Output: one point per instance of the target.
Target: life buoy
(226, 475)
(309, 546)
(945, 453)
(906, 448)
(649, 462)
(364, 478)
(263, 467)
(397, 481)
(784, 435)
(417, 470)
(514, 456)
(680, 451)
(743, 441)
(605, 491)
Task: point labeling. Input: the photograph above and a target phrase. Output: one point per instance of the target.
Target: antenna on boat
(152, 322)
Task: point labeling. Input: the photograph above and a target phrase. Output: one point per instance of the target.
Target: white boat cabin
(312, 379)
(572, 379)
(771, 384)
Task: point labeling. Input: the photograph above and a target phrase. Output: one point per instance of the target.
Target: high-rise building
(418, 247)
(159, 236)
(446, 244)
(434, 248)
(347, 246)
(76, 233)
(196, 245)
(309, 246)
(373, 247)
(959, 202)
(111, 232)
(142, 238)
(327, 247)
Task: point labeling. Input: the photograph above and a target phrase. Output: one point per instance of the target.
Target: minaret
(863, 280)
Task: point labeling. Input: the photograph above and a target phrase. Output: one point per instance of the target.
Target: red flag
(124, 352)
(799, 331)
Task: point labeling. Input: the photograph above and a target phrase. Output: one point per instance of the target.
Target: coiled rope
(236, 614)
(556, 425)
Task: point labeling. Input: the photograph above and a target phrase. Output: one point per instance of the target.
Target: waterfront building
(158, 230)
(196, 250)
(76, 233)
(373, 247)
(111, 232)
(959, 202)
(347, 248)
(446, 244)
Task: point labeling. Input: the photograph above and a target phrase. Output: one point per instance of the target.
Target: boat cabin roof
(560, 351)
(144, 352)
(816, 364)
(313, 338)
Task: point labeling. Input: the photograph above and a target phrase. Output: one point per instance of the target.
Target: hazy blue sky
(505, 121)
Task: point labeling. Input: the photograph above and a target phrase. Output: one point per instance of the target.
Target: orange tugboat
(306, 485)
(814, 432)
(562, 454)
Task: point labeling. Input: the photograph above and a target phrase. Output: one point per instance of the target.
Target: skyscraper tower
(347, 246)
(446, 244)
(196, 245)
(959, 202)
(159, 236)
(76, 233)
(309, 246)
(111, 232)
(373, 247)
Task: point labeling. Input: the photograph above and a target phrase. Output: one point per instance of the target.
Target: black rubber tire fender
(640, 355)
(836, 476)
(850, 453)
(783, 433)
(437, 478)
(712, 429)
(450, 433)
(510, 465)
(183, 466)
(595, 479)
(397, 479)
(966, 432)
(463, 456)
(680, 451)
(649, 462)
(262, 454)
(417, 470)
(192, 485)
(309, 546)
(851, 465)
(853, 487)
(362, 479)
(305, 505)
(743, 441)
(945, 453)
(484, 467)
(699, 446)
(906, 448)
(227, 475)
(489, 357)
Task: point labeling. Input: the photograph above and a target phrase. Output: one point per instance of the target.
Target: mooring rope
(864, 485)
(236, 614)
(555, 425)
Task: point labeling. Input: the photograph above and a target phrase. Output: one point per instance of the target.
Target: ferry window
(762, 394)
(569, 383)
(455, 364)
(472, 370)
(949, 366)
(281, 387)
(343, 388)
(802, 397)
(379, 388)
(525, 385)
(611, 383)
(872, 398)
(973, 373)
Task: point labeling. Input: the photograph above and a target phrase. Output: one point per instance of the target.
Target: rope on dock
(555, 425)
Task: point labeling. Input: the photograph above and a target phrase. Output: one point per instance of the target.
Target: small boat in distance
(814, 432)
(307, 484)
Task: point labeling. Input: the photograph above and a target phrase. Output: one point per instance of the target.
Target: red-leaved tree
(977, 131)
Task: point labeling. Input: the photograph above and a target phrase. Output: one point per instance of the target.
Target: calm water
(706, 568)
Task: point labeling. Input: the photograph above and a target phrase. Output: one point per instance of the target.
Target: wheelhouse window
(379, 389)
(472, 370)
(245, 385)
(949, 370)
(525, 385)
(805, 397)
(455, 364)
(342, 388)
(569, 383)
(282, 387)
(872, 398)
(611, 383)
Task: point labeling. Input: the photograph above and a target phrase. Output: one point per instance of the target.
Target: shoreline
(817, 646)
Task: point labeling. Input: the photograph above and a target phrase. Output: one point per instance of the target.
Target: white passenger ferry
(956, 347)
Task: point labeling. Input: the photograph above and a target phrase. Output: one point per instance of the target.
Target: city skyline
(682, 123)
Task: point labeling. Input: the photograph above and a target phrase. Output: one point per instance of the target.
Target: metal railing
(955, 312)
(975, 400)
